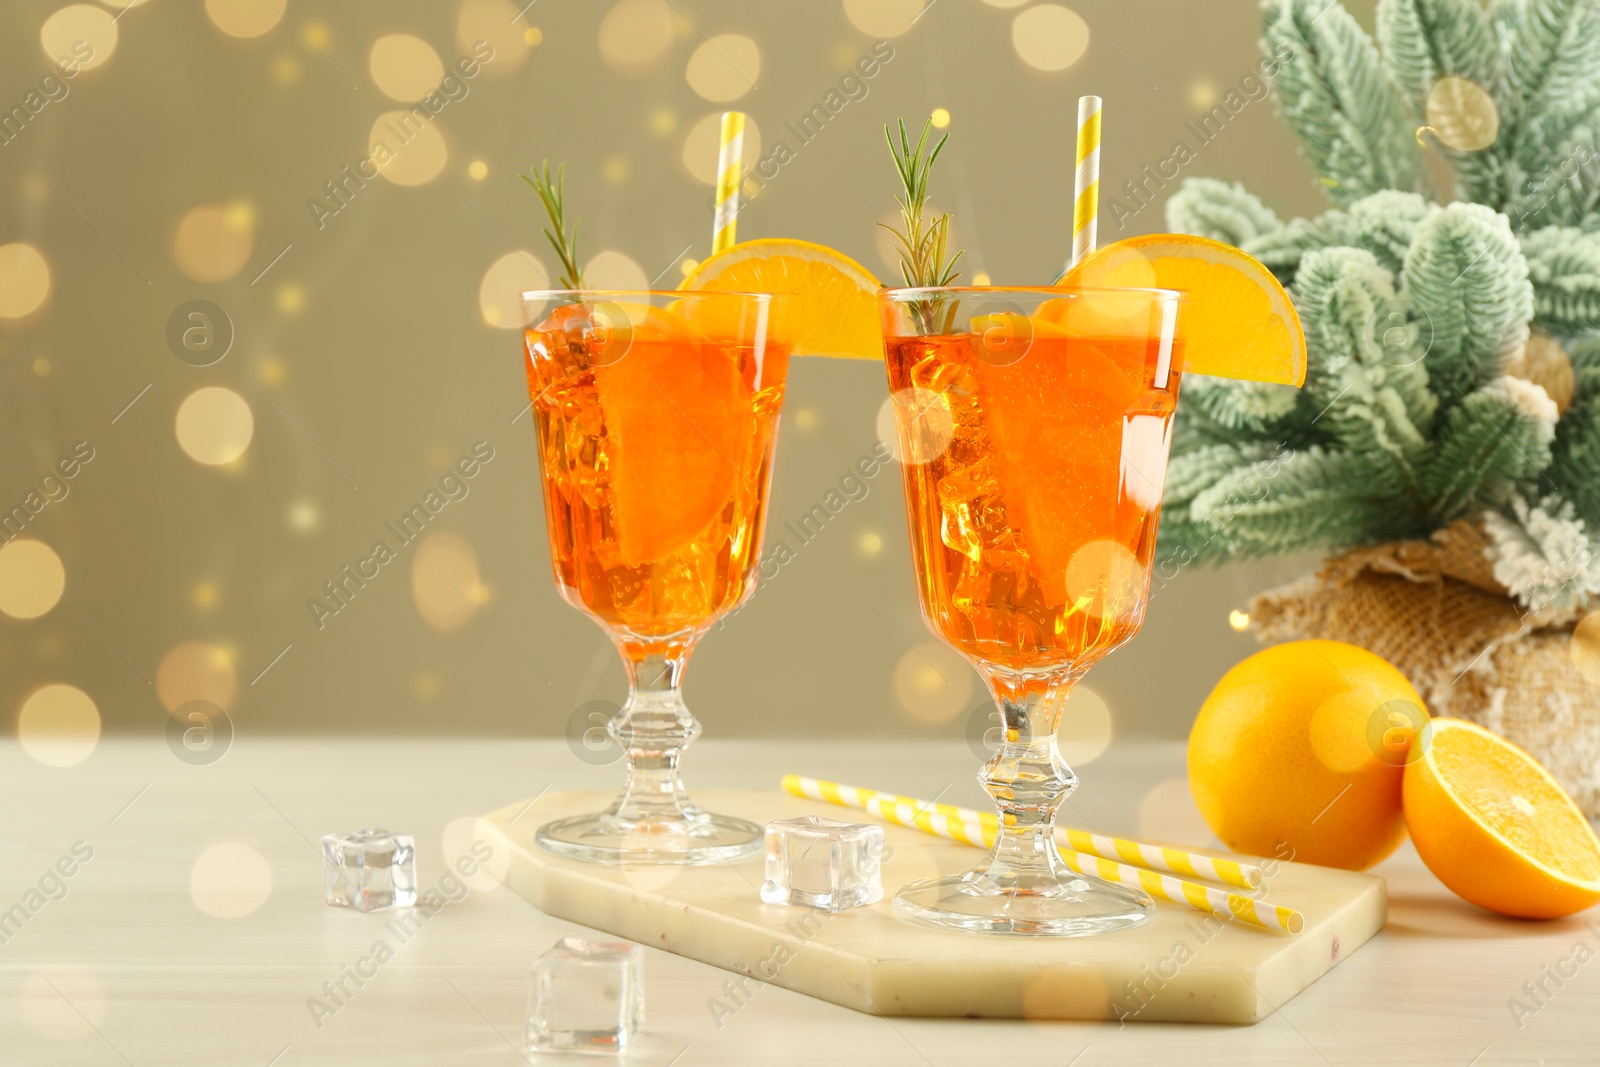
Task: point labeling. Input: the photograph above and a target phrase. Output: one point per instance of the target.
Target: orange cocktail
(1033, 525)
(1034, 427)
(656, 415)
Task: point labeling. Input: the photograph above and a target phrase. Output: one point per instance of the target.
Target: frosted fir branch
(1466, 276)
(1574, 468)
(1219, 210)
(1496, 437)
(1564, 270)
(1545, 557)
(1338, 99)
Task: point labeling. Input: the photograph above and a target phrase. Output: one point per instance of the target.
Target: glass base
(692, 840)
(1076, 906)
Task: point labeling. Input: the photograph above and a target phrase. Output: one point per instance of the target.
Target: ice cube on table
(370, 869)
(822, 863)
(588, 996)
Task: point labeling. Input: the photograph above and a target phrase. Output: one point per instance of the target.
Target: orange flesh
(1490, 779)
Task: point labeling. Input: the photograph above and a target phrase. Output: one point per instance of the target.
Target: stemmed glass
(656, 413)
(1034, 426)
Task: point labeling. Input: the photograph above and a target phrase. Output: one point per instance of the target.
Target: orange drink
(1034, 426)
(656, 415)
(1033, 525)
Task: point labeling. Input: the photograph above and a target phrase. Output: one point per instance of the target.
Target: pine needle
(564, 240)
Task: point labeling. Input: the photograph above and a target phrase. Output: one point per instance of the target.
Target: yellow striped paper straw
(1156, 857)
(904, 811)
(1086, 183)
(730, 167)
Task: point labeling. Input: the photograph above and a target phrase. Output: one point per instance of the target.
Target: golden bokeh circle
(498, 24)
(32, 578)
(406, 149)
(24, 280)
(446, 584)
(58, 725)
(610, 269)
(404, 67)
(500, 291)
(703, 141)
(1584, 648)
(1106, 578)
(196, 670)
(635, 35)
(1049, 37)
(883, 18)
(1462, 114)
(214, 425)
(230, 880)
(245, 18)
(925, 419)
(724, 67)
(1086, 727)
(89, 24)
(213, 241)
(932, 682)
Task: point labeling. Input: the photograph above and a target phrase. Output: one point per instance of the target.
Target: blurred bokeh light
(404, 67)
(196, 670)
(24, 280)
(214, 425)
(1050, 37)
(32, 578)
(58, 725)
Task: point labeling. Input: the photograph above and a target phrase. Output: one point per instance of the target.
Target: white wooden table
(126, 967)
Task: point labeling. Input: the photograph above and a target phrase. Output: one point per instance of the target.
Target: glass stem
(1027, 778)
(653, 728)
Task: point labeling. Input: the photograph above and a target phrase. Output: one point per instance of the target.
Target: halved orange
(1496, 828)
(834, 308)
(1238, 322)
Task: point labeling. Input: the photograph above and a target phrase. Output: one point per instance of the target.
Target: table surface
(132, 959)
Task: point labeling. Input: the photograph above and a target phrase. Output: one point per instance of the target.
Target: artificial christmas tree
(1447, 440)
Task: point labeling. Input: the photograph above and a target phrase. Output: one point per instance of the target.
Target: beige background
(366, 361)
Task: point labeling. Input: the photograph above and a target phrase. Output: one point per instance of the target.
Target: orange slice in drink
(678, 419)
(1237, 322)
(833, 310)
(1496, 828)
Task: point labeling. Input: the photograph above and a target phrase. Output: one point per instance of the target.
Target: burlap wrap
(1434, 610)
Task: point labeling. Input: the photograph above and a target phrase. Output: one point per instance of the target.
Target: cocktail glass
(656, 415)
(1034, 426)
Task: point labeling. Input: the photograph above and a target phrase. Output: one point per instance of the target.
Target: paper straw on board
(921, 815)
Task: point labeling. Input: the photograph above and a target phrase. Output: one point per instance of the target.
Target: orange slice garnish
(1237, 322)
(832, 310)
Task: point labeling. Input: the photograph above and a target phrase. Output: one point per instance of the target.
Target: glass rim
(612, 294)
(920, 291)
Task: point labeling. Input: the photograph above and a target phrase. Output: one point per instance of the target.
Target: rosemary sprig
(563, 240)
(923, 240)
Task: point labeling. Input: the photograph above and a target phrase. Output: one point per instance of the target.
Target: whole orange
(1300, 752)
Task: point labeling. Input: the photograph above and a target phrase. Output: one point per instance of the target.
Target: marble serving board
(1182, 966)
